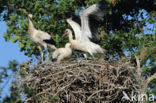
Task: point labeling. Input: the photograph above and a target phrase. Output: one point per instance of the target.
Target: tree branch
(148, 80)
(138, 66)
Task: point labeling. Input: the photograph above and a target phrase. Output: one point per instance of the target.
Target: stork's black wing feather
(50, 41)
(94, 24)
(103, 9)
(90, 18)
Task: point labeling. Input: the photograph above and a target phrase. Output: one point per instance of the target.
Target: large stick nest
(84, 81)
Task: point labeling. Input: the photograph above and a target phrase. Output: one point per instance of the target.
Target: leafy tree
(127, 31)
(14, 96)
(8, 74)
(50, 15)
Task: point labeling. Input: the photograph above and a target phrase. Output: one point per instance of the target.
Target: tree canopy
(126, 19)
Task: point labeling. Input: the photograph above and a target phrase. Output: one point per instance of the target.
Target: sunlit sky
(8, 50)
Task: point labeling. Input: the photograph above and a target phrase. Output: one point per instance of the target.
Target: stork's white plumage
(41, 38)
(86, 34)
(85, 46)
(62, 53)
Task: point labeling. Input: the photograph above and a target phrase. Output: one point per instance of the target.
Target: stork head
(68, 45)
(68, 20)
(30, 16)
(67, 32)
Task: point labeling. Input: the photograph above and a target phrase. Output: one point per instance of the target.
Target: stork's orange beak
(64, 34)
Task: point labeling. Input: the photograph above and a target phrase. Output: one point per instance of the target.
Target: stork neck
(31, 27)
(70, 37)
(67, 46)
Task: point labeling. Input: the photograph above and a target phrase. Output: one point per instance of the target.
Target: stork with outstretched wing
(86, 35)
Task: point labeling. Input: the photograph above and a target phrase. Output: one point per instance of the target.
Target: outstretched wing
(90, 18)
(76, 27)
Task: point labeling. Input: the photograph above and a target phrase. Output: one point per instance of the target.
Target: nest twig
(82, 81)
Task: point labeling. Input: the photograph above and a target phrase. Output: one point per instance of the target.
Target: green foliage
(50, 16)
(52, 99)
(3, 73)
(13, 66)
(29, 91)
(8, 74)
(21, 73)
(14, 96)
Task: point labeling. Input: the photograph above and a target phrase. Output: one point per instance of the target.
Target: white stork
(85, 46)
(40, 38)
(86, 34)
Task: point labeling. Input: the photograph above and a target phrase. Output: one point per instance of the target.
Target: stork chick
(63, 53)
(41, 38)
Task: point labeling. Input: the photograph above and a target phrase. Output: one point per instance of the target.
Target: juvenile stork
(85, 46)
(63, 53)
(86, 35)
(42, 39)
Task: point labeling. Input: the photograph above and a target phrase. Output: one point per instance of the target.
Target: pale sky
(8, 50)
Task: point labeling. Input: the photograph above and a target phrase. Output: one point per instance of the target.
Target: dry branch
(148, 80)
(138, 65)
(83, 81)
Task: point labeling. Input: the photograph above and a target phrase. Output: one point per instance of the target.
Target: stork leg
(48, 55)
(46, 47)
(47, 59)
(42, 56)
(92, 55)
(85, 56)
